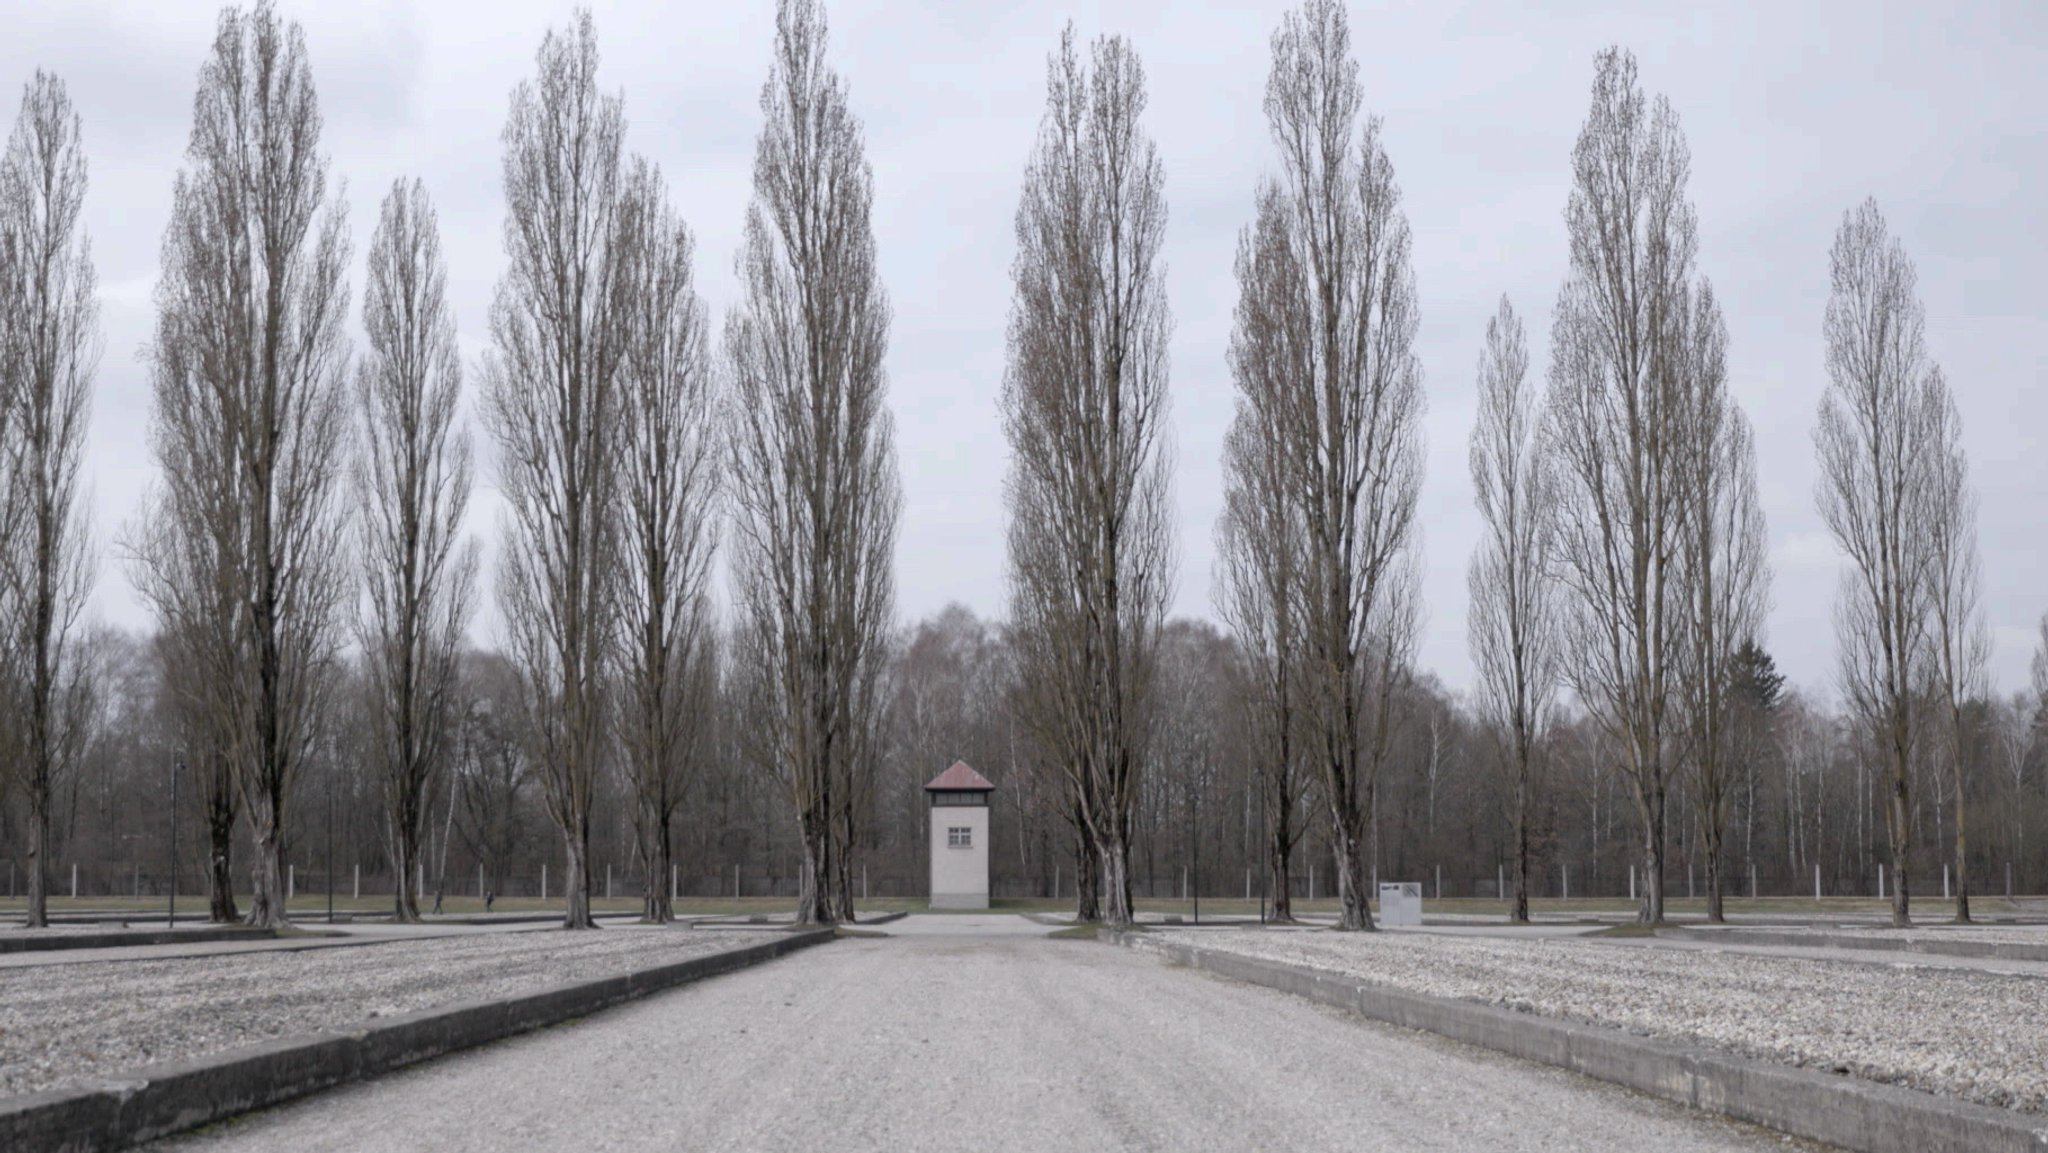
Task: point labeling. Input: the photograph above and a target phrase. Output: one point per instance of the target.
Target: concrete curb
(1982, 950)
(122, 938)
(158, 1100)
(1835, 1110)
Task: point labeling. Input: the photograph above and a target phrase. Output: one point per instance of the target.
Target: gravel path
(59, 1024)
(1961, 1032)
(977, 1033)
(2002, 934)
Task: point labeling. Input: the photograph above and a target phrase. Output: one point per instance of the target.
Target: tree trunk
(656, 908)
(1962, 844)
(1652, 912)
(576, 884)
(266, 874)
(814, 893)
(1087, 889)
(1354, 876)
(1114, 878)
(1282, 850)
(38, 854)
(220, 855)
(1713, 839)
(1518, 906)
(405, 903)
(1897, 820)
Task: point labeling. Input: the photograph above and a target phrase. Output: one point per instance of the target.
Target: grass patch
(1075, 933)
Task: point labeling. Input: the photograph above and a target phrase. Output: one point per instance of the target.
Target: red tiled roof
(960, 776)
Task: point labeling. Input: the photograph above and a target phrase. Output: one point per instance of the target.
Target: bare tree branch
(239, 551)
(49, 352)
(554, 404)
(1513, 626)
(668, 532)
(419, 573)
(1879, 452)
(815, 492)
(1614, 423)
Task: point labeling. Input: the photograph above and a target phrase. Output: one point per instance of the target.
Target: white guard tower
(959, 838)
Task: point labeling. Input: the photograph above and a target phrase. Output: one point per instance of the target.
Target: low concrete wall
(1836, 1110)
(35, 942)
(158, 1100)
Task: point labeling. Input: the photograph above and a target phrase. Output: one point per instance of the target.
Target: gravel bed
(60, 1024)
(2002, 935)
(1977, 1035)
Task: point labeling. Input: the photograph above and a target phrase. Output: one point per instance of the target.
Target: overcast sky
(1794, 111)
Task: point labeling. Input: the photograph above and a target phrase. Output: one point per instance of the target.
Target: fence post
(1816, 880)
(74, 880)
(358, 870)
(543, 880)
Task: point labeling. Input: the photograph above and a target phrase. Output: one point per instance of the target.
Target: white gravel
(60, 1024)
(1978, 1035)
(2000, 935)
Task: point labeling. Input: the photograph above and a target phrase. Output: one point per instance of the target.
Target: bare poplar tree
(1723, 576)
(554, 405)
(1879, 450)
(249, 427)
(1259, 538)
(1346, 410)
(816, 497)
(1514, 619)
(668, 478)
(419, 573)
(1085, 407)
(49, 351)
(1614, 422)
(1962, 642)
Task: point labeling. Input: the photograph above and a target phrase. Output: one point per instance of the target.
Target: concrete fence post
(1944, 881)
(1880, 880)
(358, 882)
(543, 880)
(74, 880)
(291, 882)
(1816, 880)
(1631, 882)
(1567, 881)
